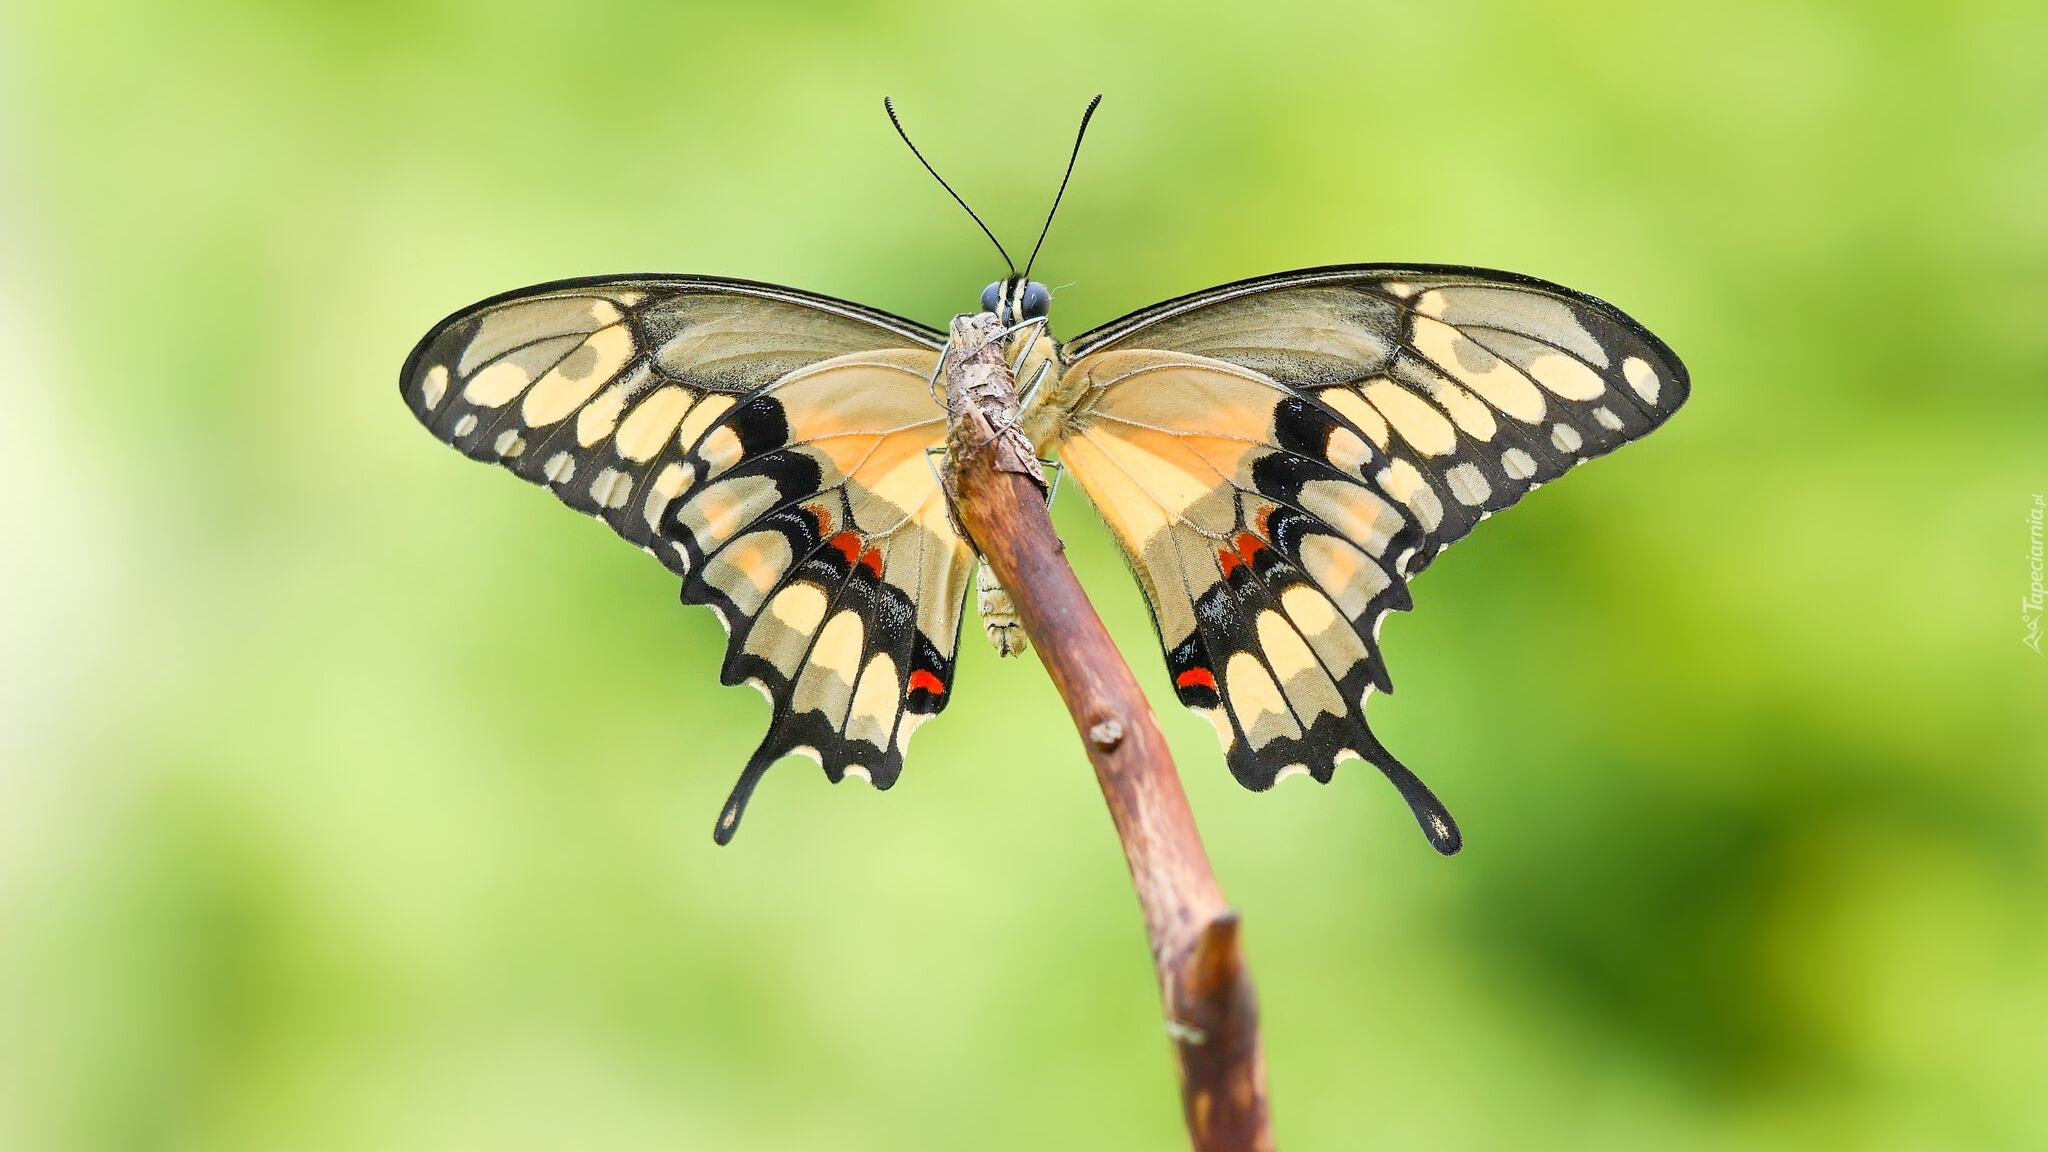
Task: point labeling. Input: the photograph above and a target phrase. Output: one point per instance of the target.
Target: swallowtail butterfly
(1277, 457)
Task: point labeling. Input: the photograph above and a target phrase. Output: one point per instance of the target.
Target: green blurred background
(358, 797)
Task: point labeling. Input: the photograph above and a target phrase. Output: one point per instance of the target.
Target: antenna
(1085, 117)
(890, 107)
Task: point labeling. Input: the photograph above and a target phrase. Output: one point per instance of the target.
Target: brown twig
(1211, 1014)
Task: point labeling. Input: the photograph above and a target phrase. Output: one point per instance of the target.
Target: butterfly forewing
(1278, 457)
(766, 445)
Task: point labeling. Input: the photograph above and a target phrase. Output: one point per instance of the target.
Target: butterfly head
(1014, 299)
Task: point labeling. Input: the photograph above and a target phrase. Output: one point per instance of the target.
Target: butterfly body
(1276, 458)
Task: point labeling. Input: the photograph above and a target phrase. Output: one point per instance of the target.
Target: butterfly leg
(1053, 489)
(932, 382)
(1024, 342)
(1031, 390)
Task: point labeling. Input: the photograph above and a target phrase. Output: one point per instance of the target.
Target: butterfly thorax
(1042, 413)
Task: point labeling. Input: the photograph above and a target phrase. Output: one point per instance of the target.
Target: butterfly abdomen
(999, 614)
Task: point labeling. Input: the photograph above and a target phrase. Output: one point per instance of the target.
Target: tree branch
(997, 498)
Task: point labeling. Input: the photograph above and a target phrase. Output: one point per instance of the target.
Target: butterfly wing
(1279, 457)
(768, 446)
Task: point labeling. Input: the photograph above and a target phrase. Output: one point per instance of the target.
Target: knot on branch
(1212, 998)
(1214, 1022)
(1107, 735)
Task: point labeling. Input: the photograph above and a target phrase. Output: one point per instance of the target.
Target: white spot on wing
(1519, 465)
(1566, 376)
(721, 449)
(1607, 419)
(434, 386)
(572, 381)
(672, 480)
(560, 468)
(510, 444)
(875, 702)
(838, 646)
(1405, 483)
(1642, 378)
(601, 415)
(496, 384)
(1352, 406)
(857, 772)
(1347, 451)
(1419, 423)
(1259, 705)
(1291, 770)
(700, 418)
(611, 488)
(1468, 485)
(1566, 437)
(799, 606)
(1497, 382)
(642, 433)
(466, 425)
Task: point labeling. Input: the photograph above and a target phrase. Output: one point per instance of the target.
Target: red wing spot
(822, 517)
(1230, 561)
(1196, 678)
(927, 681)
(1249, 546)
(873, 561)
(848, 545)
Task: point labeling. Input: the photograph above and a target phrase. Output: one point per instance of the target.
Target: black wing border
(1130, 323)
(887, 321)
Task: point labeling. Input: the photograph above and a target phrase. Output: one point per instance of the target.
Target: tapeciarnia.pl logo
(2031, 607)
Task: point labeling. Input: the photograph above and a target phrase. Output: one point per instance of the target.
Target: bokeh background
(355, 796)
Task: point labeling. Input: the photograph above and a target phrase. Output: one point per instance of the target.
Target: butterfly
(1277, 459)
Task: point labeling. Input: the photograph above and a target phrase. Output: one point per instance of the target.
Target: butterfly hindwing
(766, 445)
(1278, 457)
(1266, 565)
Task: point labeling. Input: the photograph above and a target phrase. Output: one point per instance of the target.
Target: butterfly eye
(992, 297)
(1037, 300)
